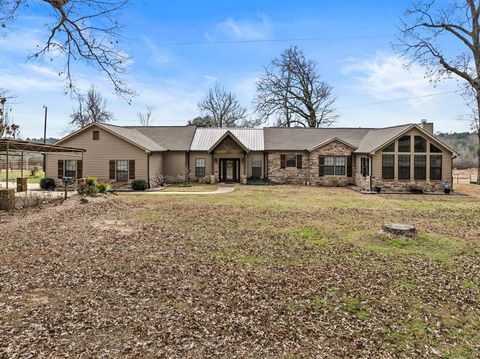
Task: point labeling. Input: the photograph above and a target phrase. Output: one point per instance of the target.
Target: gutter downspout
(451, 172)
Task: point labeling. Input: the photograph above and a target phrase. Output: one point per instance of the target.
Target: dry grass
(261, 272)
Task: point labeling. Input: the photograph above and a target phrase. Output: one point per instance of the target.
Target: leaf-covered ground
(280, 272)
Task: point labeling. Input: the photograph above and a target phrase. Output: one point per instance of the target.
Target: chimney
(427, 126)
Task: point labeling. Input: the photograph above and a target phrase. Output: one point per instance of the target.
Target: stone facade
(292, 175)
(407, 186)
(334, 148)
(7, 199)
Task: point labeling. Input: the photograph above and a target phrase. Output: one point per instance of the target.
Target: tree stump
(399, 229)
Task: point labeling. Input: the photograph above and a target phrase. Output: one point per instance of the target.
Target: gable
(227, 144)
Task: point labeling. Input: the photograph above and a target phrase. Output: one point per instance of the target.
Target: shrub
(259, 181)
(103, 187)
(91, 181)
(139, 185)
(47, 184)
(90, 191)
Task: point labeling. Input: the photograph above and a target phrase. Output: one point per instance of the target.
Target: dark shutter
(282, 161)
(321, 163)
(131, 169)
(60, 168)
(79, 169)
(111, 170)
(349, 166)
(299, 161)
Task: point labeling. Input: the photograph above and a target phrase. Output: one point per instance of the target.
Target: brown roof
(300, 139)
(171, 138)
(135, 136)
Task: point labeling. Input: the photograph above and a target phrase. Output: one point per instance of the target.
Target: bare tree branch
(292, 92)
(81, 30)
(145, 118)
(92, 108)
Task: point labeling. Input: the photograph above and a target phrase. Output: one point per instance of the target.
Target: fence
(16, 164)
(465, 176)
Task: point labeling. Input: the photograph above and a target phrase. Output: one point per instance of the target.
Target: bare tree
(92, 108)
(8, 128)
(445, 39)
(145, 118)
(222, 107)
(292, 92)
(81, 30)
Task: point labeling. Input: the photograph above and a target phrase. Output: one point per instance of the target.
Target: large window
(388, 166)
(436, 167)
(404, 144)
(420, 167)
(434, 149)
(291, 161)
(70, 168)
(420, 144)
(122, 170)
(256, 167)
(404, 167)
(332, 166)
(200, 167)
(365, 166)
(389, 148)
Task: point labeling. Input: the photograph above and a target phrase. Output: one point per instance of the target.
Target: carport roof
(30, 146)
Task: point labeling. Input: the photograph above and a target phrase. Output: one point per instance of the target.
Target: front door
(229, 170)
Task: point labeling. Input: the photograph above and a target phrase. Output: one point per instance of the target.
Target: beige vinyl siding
(99, 153)
(446, 158)
(208, 162)
(174, 164)
(156, 166)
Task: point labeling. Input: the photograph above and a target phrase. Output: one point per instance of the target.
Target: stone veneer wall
(406, 185)
(332, 149)
(289, 174)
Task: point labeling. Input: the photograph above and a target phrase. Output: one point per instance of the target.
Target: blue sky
(354, 55)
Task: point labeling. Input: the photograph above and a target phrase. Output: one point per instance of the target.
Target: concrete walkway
(218, 191)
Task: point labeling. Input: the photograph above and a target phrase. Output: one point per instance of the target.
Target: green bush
(139, 185)
(91, 181)
(103, 187)
(48, 184)
(259, 181)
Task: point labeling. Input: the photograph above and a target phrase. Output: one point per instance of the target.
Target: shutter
(60, 169)
(282, 161)
(299, 162)
(111, 170)
(321, 163)
(79, 169)
(131, 169)
(349, 166)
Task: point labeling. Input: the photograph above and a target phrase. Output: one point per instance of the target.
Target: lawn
(262, 272)
(194, 187)
(12, 176)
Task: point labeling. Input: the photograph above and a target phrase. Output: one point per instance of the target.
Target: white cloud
(157, 55)
(258, 29)
(385, 77)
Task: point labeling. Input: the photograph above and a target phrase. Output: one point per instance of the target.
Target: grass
(264, 271)
(12, 176)
(194, 187)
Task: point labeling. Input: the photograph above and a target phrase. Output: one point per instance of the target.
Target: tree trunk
(476, 126)
(478, 157)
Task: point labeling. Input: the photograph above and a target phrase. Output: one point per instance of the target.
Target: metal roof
(205, 138)
(30, 146)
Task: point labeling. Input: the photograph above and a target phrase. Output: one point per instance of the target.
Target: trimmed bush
(48, 184)
(103, 187)
(139, 185)
(260, 181)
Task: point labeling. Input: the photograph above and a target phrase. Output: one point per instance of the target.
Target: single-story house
(392, 157)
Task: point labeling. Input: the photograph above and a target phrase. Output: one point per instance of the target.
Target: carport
(12, 147)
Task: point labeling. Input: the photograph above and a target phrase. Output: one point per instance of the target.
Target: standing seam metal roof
(205, 138)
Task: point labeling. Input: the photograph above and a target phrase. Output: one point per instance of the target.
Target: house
(395, 157)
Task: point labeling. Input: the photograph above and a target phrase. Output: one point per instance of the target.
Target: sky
(180, 49)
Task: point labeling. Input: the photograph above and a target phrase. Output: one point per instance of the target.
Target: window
(332, 165)
(365, 166)
(200, 167)
(404, 144)
(434, 149)
(96, 135)
(340, 164)
(436, 167)
(404, 167)
(70, 168)
(290, 161)
(420, 144)
(256, 167)
(420, 168)
(122, 170)
(329, 166)
(389, 148)
(388, 166)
